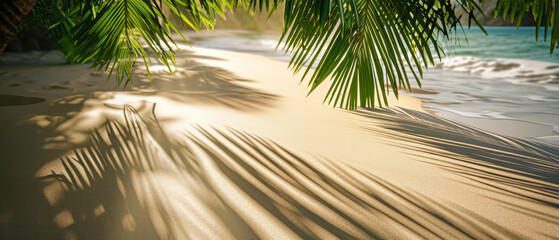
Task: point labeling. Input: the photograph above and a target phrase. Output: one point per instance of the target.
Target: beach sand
(234, 148)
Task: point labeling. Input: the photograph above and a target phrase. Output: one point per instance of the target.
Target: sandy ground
(234, 148)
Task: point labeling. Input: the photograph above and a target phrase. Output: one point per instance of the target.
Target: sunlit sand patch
(64, 219)
(45, 121)
(179, 207)
(53, 191)
(73, 99)
(154, 69)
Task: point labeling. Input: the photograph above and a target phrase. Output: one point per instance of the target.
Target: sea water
(505, 75)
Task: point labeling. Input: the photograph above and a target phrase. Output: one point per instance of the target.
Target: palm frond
(545, 13)
(366, 46)
(112, 37)
(112, 34)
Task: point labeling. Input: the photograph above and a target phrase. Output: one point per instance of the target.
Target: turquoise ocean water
(506, 75)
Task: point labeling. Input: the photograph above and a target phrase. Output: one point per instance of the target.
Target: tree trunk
(12, 13)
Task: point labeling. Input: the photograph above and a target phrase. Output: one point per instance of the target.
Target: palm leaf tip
(365, 46)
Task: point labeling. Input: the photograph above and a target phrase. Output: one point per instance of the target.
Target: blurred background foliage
(33, 35)
(242, 17)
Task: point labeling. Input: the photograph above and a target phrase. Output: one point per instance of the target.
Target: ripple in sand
(14, 100)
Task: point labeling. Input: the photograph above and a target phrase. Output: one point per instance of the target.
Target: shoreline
(509, 127)
(523, 128)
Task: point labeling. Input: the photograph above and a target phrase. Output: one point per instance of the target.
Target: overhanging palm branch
(545, 13)
(365, 47)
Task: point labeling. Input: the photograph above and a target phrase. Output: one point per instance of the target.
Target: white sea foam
(492, 115)
(517, 71)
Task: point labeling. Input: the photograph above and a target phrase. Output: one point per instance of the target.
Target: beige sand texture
(234, 148)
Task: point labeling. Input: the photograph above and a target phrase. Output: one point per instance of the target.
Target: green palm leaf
(545, 13)
(365, 48)
(111, 37)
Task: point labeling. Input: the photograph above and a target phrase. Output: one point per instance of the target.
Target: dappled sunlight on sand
(237, 150)
(517, 169)
(189, 87)
(78, 101)
(228, 184)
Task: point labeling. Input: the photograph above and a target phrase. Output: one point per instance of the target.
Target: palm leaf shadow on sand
(521, 168)
(195, 82)
(134, 181)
